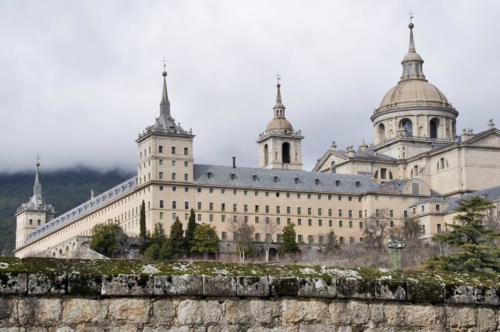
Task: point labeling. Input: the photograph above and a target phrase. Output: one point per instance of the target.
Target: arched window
(266, 154)
(332, 167)
(433, 126)
(285, 151)
(381, 132)
(408, 127)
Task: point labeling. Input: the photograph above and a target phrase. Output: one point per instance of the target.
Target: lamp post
(395, 246)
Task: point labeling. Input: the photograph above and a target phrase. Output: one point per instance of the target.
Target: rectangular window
(185, 151)
(330, 223)
(235, 207)
(256, 209)
(309, 211)
(245, 219)
(173, 176)
(211, 206)
(160, 149)
(350, 213)
(223, 207)
(299, 211)
(437, 207)
(199, 217)
(299, 222)
(199, 205)
(235, 218)
(309, 222)
(211, 190)
(186, 216)
(288, 221)
(173, 150)
(223, 218)
(340, 198)
(223, 191)
(211, 217)
(360, 214)
(391, 223)
(267, 220)
(257, 237)
(277, 194)
(235, 191)
(174, 204)
(383, 173)
(288, 210)
(350, 223)
(438, 228)
(161, 204)
(174, 216)
(298, 195)
(267, 208)
(321, 239)
(186, 163)
(423, 208)
(256, 193)
(330, 212)
(186, 205)
(391, 213)
(245, 192)
(186, 189)
(279, 238)
(161, 188)
(360, 224)
(287, 195)
(160, 175)
(186, 177)
(310, 239)
(377, 213)
(415, 189)
(340, 223)
(223, 236)
(350, 199)
(405, 214)
(320, 223)
(319, 211)
(340, 213)
(300, 239)
(267, 193)
(245, 208)
(256, 220)
(173, 162)
(278, 210)
(308, 196)
(161, 215)
(319, 196)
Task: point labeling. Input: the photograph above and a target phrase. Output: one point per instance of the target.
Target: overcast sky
(80, 79)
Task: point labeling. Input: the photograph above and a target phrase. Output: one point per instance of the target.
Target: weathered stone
(349, 313)
(43, 284)
(84, 284)
(167, 329)
(43, 311)
(252, 286)
(8, 312)
(461, 317)
(316, 328)
(488, 296)
(387, 289)
(404, 315)
(129, 310)
(219, 285)
(164, 311)
(257, 312)
(305, 312)
(461, 294)
(377, 313)
(353, 288)
(13, 283)
(286, 286)
(124, 284)
(420, 291)
(83, 311)
(486, 320)
(178, 285)
(317, 287)
(199, 312)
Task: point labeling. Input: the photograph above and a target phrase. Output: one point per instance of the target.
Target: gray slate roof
(285, 179)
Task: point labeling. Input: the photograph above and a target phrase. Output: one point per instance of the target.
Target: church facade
(417, 167)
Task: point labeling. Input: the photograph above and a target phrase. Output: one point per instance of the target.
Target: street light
(395, 246)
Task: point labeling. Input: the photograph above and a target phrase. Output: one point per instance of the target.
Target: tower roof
(279, 120)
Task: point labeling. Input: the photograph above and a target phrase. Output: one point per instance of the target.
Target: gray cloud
(81, 79)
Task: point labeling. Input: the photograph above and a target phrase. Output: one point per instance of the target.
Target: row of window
(160, 150)
(160, 162)
(300, 238)
(174, 176)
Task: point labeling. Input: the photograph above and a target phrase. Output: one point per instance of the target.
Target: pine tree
(472, 243)
(190, 231)
(289, 244)
(176, 238)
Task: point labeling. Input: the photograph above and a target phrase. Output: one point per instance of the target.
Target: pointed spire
(165, 103)
(411, 47)
(37, 188)
(279, 108)
(412, 62)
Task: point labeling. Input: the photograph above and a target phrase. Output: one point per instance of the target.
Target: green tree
(156, 242)
(471, 242)
(205, 239)
(176, 238)
(106, 237)
(289, 244)
(331, 242)
(142, 225)
(190, 231)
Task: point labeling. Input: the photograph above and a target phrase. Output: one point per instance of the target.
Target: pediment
(491, 140)
(325, 163)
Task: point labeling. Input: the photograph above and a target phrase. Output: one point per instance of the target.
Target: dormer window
(358, 184)
(233, 176)
(254, 177)
(337, 183)
(296, 180)
(316, 181)
(209, 175)
(275, 178)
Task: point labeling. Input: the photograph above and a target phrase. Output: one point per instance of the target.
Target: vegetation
(108, 238)
(242, 235)
(268, 229)
(190, 231)
(176, 239)
(376, 229)
(331, 243)
(289, 244)
(472, 243)
(205, 240)
(142, 225)
(64, 189)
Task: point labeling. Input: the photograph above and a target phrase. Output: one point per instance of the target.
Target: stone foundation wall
(74, 295)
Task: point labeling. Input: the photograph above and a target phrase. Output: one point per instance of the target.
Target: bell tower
(280, 147)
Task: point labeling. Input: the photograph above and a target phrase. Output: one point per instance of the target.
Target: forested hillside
(64, 189)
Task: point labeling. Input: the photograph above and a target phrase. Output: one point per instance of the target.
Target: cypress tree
(142, 225)
(190, 231)
(177, 237)
(289, 244)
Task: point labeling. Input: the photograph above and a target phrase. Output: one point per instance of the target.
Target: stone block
(251, 312)
(317, 287)
(486, 320)
(178, 285)
(285, 286)
(8, 312)
(45, 284)
(13, 283)
(39, 311)
(488, 296)
(84, 284)
(252, 286)
(78, 311)
(353, 288)
(460, 317)
(127, 284)
(312, 311)
(163, 311)
(349, 313)
(199, 312)
(459, 294)
(219, 285)
(128, 311)
(387, 289)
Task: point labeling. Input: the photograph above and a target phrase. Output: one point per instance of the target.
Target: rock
(42, 284)
(42, 311)
(199, 312)
(79, 311)
(256, 312)
(349, 313)
(252, 286)
(128, 310)
(317, 287)
(13, 283)
(124, 284)
(164, 311)
(219, 285)
(284, 286)
(304, 312)
(178, 285)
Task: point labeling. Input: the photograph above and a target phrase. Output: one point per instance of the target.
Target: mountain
(64, 189)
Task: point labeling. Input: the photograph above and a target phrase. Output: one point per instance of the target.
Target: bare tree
(269, 228)
(242, 235)
(376, 229)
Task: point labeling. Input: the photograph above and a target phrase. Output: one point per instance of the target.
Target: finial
(37, 159)
(411, 48)
(278, 79)
(491, 125)
(164, 66)
(411, 18)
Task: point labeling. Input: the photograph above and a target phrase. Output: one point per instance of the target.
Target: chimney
(234, 162)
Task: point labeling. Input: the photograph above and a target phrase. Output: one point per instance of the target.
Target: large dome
(413, 93)
(279, 123)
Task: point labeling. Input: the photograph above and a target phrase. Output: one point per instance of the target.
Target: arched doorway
(433, 127)
(266, 154)
(285, 150)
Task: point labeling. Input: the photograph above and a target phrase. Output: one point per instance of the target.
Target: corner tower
(280, 147)
(165, 148)
(34, 213)
(414, 111)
